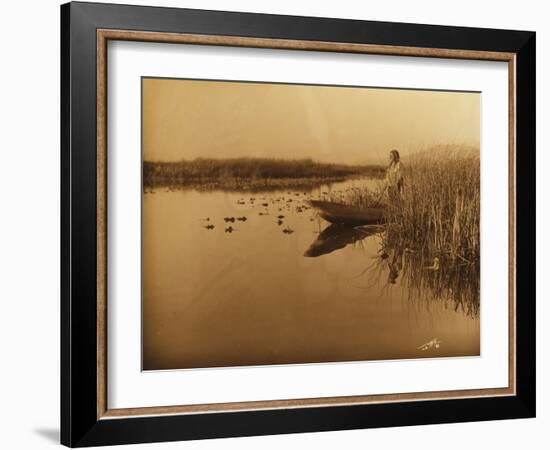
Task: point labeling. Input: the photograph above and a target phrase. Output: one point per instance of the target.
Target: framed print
(277, 224)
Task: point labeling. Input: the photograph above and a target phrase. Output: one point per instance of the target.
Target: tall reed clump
(439, 210)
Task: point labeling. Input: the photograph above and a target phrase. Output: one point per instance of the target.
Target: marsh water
(251, 278)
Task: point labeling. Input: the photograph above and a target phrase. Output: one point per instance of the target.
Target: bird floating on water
(435, 266)
(209, 227)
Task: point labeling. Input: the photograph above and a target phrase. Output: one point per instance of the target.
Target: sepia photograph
(296, 224)
(285, 222)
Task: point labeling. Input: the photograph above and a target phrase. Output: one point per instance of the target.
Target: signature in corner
(434, 343)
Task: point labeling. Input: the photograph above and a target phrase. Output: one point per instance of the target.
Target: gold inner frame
(103, 36)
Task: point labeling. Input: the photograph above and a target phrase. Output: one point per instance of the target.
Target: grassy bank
(431, 239)
(439, 210)
(248, 172)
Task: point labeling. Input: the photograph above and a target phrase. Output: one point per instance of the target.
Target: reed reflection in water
(283, 286)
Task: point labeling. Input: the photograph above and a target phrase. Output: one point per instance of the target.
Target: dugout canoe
(349, 215)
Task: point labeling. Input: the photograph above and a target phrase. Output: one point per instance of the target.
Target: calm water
(258, 295)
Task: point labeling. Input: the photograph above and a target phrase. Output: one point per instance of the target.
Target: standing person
(394, 177)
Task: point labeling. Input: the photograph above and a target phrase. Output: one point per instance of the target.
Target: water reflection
(427, 279)
(219, 290)
(336, 237)
(441, 278)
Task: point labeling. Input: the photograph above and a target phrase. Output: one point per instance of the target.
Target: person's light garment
(394, 175)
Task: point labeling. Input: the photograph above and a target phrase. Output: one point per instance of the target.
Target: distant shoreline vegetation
(249, 173)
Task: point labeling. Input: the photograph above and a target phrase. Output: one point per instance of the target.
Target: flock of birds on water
(298, 203)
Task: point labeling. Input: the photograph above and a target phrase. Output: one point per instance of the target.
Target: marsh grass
(436, 218)
(455, 283)
(234, 173)
(358, 196)
(438, 212)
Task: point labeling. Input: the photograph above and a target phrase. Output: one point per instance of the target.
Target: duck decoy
(435, 266)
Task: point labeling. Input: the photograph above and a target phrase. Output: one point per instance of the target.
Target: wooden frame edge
(512, 328)
(211, 408)
(103, 35)
(101, 225)
(289, 44)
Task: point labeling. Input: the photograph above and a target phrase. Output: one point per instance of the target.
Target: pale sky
(187, 119)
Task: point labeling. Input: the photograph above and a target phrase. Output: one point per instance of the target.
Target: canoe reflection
(336, 237)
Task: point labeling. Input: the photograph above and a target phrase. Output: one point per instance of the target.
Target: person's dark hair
(396, 157)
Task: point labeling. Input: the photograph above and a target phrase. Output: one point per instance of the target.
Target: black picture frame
(79, 423)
